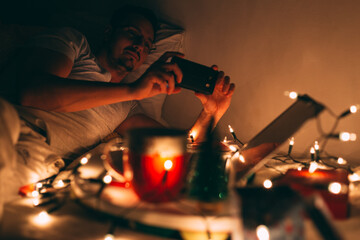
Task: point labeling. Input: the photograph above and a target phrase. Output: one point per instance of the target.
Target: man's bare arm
(44, 84)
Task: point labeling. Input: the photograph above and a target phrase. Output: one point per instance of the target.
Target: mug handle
(116, 161)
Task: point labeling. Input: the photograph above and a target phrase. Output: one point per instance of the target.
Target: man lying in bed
(67, 99)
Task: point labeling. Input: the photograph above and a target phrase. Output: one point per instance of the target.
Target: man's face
(130, 43)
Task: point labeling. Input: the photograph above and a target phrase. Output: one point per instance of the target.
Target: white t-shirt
(73, 133)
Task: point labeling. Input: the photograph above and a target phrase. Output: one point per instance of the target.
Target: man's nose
(139, 43)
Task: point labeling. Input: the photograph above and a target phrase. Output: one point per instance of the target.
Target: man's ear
(107, 33)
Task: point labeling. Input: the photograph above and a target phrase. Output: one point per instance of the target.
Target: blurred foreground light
(36, 201)
(107, 179)
(354, 177)
(340, 160)
(334, 187)
(84, 160)
(267, 183)
(35, 193)
(241, 158)
(109, 237)
(42, 219)
(313, 167)
(168, 165)
(262, 232)
(233, 148)
(60, 184)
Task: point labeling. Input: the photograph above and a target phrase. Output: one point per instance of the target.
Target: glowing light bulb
(236, 155)
(36, 202)
(225, 139)
(168, 165)
(60, 184)
(233, 148)
(313, 167)
(354, 177)
(35, 194)
(109, 237)
(39, 185)
(340, 160)
(334, 187)
(316, 146)
(354, 108)
(312, 153)
(346, 136)
(192, 136)
(84, 160)
(262, 232)
(291, 94)
(107, 179)
(299, 168)
(291, 144)
(42, 219)
(267, 183)
(241, 158)
(231, 129)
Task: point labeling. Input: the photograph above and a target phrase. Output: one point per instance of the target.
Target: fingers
(226, 84)
(220, 81)
(231, 90)
(174, 68)
(166, 81)
(215, 67)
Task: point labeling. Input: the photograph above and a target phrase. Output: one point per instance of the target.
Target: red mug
(154, 162)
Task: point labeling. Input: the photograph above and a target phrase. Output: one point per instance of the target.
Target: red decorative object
(307, 184)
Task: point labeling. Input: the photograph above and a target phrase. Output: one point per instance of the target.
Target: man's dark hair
(122, 12)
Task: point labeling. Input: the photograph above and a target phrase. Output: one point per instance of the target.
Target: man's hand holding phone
(161, 77)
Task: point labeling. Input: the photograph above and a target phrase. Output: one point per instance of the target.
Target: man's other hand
(219, 101)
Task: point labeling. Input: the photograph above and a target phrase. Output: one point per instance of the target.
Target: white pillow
(168, 38)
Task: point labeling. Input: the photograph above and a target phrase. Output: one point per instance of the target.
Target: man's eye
(132, 33)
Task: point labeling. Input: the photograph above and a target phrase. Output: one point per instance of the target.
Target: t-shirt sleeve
(66, 41)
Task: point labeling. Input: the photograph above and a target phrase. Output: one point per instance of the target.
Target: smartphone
(196, 77)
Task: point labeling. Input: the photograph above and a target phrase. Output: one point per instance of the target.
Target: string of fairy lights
(318, 158)
(51, 191)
